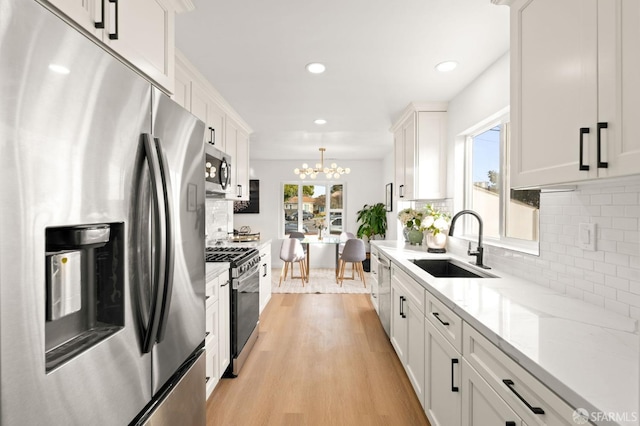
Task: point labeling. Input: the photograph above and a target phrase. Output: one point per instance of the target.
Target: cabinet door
(409, 138)
(398, 146)
(430, 179)
(230, 144)
(619, 86)
(182, 87)
(212, 373)
(145, 37)
(224, 324)
(241, 161)
(553, 90)
(442, 400)
(481, 406)
(85, 13)
(265, 277)
(398, 321)
(414, 362)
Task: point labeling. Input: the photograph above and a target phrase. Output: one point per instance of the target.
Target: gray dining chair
(291, 252)
(354, 252)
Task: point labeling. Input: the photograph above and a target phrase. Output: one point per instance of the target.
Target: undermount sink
(449, 268)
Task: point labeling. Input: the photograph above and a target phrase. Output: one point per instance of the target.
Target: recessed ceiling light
(60, 69)
(446, 66)
(316, 68)
(320, 121)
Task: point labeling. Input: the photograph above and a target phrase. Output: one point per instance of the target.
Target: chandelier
(330, 172)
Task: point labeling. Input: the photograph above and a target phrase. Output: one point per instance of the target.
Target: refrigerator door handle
(159, 241)
(168, 247)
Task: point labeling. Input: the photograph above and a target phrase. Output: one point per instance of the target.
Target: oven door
(245, 308)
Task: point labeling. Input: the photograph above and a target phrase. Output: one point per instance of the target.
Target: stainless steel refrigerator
(101, 235)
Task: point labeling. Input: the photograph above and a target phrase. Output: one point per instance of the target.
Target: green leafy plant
(373, 221)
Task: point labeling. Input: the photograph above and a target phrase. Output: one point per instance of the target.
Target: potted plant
(373, 221)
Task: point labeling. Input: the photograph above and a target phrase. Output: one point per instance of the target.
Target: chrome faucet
(479, 250)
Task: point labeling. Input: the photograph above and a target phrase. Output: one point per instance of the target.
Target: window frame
(504, 193)
(328, 210)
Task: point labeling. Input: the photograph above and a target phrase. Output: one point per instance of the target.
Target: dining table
(309, 241)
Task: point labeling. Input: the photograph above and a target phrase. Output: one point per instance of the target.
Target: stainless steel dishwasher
(384, 292)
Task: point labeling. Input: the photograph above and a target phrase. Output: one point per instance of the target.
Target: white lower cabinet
(407, 327)
(482, 405)
(531, 400)
(265, 276)
(217, 342)
(442, 394)
(459, 376)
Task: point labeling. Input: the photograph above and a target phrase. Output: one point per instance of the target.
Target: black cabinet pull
(583, 166)
(265, 270)
(402, 314)
(601, 164)
(207, 334)
(114, 35)
(207, 379)
(510, 423)
(437, 315)
(401, 191)
(239, 191)
(510, 385)
(454, 361)
(100, 24)
(212, 136)
(227, 282)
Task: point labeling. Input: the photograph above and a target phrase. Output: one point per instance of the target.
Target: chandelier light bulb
(296, 171)
(347, 170)
(302, 176)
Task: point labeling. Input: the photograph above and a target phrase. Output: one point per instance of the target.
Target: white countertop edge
(399, 253)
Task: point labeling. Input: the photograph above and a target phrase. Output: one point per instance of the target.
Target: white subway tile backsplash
(609, 276)
(601, 199)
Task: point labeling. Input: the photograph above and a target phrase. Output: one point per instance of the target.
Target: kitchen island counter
(585, 354)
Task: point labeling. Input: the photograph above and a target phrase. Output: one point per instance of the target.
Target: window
(509, 216)
(307, 207)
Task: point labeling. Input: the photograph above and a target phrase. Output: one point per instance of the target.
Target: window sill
(525, 247)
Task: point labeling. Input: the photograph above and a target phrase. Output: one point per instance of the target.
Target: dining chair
(292, 252)
(299, 236)
(354, 252)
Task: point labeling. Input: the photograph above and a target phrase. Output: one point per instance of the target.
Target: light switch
(587, 236)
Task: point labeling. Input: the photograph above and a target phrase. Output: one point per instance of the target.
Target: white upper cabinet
(571, 116)
(224, 128)
(420, 152)
(140, 31)
(144, 35)
(237, 145)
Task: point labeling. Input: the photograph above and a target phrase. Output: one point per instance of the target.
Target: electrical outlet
(587, 236)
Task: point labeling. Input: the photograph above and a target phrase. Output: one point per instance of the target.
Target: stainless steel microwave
(217, 171)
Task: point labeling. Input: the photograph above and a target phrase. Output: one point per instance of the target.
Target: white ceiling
(380, 55)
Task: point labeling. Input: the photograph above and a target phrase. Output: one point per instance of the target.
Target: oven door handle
(246, 276)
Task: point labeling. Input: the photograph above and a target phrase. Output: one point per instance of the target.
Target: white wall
(608, 277)
(364, 185)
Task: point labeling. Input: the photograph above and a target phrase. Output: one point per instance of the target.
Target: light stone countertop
(587, 355)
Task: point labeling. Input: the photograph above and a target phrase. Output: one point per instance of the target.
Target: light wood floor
(321, 359)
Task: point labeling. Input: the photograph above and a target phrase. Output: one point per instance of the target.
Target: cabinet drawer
(414, 291)
(525, 394)
(444, 320)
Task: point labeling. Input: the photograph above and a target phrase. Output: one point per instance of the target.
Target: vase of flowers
(412, 219)
(320, 224)
(435, 224)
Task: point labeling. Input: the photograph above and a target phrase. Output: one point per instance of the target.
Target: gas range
(240, 258)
